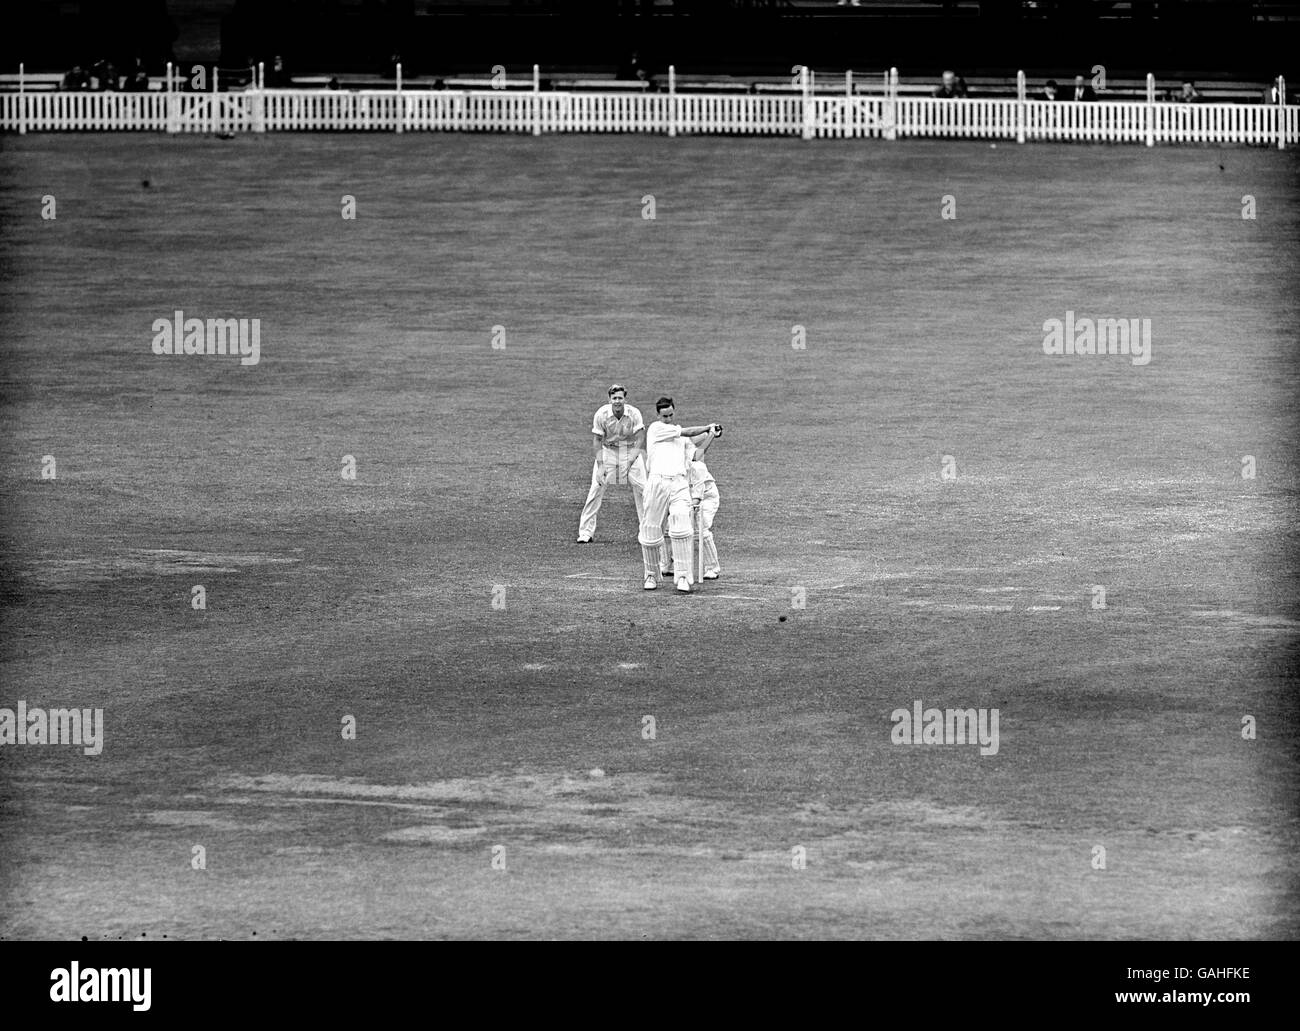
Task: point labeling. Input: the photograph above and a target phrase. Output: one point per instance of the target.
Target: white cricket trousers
(617, 470)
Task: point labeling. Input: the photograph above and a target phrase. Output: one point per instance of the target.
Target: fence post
(1151, 109)
(891, 109)
(401, 105)
(884, 106)
(1020, 106)
(258, 106)
(673, 112)
(850, 122)
(537, 100)
(805, 83)
(22, 103)
(170, 101)
(216, 103)
(1281, 112)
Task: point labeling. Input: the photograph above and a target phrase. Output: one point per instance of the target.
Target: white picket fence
(44, 112)
(804, 114)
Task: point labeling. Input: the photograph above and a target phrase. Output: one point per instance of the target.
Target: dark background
(1205, 38)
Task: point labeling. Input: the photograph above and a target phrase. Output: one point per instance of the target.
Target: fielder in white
(618, 450)
(668, 492)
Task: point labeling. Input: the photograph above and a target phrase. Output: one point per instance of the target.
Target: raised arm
(696, 431)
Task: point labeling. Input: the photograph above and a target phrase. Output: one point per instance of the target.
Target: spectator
(103, 76)
(1050, 90)
(279, 78)
(1081, 90)
(138, 80)
(76, 79)
(632, 68)
(635, 68)
(1189, 95)
(951, 87)
(333, 83)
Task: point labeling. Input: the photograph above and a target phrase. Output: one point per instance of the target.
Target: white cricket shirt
(665, 449)
(617, 431)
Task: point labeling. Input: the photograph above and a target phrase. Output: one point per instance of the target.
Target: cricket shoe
(584, 540)
(711, 574)
(665, 573)
(683, 585)
(651, 583)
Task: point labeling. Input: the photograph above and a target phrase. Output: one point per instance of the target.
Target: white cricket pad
(682, 558)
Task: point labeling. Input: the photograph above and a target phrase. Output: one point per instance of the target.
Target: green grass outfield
(478, 727)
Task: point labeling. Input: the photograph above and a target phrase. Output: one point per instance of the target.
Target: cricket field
(405, 704)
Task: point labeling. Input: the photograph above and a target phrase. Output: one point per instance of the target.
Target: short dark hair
(664, 402)
(617, 388)
(1051, 83)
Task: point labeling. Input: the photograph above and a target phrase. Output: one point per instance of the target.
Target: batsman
(668, 491)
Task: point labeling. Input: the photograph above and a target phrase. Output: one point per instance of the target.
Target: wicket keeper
(704, 492)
